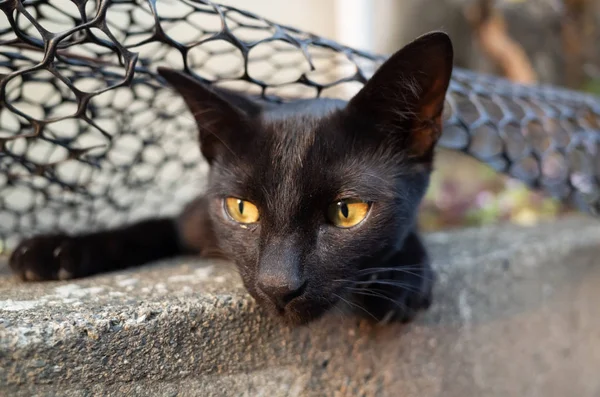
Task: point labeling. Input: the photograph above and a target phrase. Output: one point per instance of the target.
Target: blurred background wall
(559, 37)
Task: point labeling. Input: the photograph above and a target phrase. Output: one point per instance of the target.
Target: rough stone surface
(516, 314)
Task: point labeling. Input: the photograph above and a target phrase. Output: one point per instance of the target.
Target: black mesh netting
(89, 137)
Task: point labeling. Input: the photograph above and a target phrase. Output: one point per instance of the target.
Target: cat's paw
(45, 257)
(398, 295)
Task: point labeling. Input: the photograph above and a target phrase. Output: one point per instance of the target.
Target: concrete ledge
(517, 313)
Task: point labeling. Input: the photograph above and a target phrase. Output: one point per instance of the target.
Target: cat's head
(302, 196)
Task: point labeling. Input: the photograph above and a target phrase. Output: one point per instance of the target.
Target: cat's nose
(282, 290)
(280, 277)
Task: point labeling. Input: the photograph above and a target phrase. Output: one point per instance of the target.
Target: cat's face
(305, 195)
(316, 204)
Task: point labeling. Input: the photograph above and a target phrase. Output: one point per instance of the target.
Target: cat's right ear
(222, 117)
(405, 97)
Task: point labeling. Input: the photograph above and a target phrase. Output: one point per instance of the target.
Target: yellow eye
(348, 213)
(241, 211)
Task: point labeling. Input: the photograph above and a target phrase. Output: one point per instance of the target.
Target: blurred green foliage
(592, 86)
(464, 192)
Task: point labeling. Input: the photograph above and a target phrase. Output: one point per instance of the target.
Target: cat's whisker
(339, 311)
(394, 283)
(406, 270)
(343, 280)
(367, 283)
(384, 269)
(357, 306)
(376, 294)
(379, 276)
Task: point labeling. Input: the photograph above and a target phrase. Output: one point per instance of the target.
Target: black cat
(315, 201)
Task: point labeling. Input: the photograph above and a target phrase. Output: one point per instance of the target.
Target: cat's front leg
(61, 256)
(399, 288)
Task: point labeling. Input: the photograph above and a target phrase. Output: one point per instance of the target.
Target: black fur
(292, 161)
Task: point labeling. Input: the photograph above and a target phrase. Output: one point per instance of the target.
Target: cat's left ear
(405, 97)
(222, 116)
